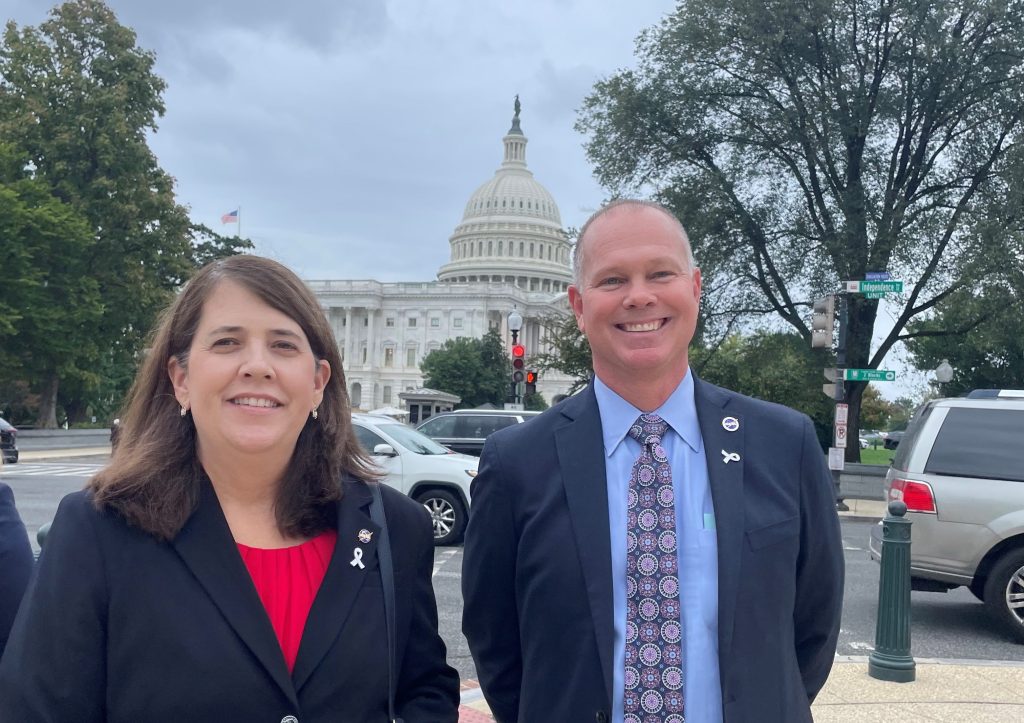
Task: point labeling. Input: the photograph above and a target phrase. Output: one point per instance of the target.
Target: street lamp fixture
(515, 323)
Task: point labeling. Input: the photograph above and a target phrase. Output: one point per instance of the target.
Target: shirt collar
(679, 410)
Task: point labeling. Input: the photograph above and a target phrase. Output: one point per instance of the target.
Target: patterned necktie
(654, 655)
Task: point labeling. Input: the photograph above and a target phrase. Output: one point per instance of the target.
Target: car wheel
(446, 514)
(1004, 593)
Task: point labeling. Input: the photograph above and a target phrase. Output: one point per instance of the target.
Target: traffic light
(531, 382)
(823, 321)
(518, 361)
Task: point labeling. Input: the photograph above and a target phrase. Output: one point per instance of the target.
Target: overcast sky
(352, 132)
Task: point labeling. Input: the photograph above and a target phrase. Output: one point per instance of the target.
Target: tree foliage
(570, 351)
(775, 367)
(989, 354)
(77, 100)
(477, 370)
(804, 144)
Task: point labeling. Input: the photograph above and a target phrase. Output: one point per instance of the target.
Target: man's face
(637, 297)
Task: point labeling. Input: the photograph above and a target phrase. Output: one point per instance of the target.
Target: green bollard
(891, 659)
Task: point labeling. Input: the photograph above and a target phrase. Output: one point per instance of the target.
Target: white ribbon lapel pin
(728, 457)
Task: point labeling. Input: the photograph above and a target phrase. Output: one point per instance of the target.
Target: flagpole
(238, 226)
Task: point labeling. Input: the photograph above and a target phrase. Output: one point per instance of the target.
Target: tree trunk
(47, 418)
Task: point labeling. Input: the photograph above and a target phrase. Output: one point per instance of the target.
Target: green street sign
(869, 375)
(861, 287)
(875, 294)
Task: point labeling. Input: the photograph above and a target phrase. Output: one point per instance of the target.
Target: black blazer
(15, 562)
(118, 626)
(537, 565)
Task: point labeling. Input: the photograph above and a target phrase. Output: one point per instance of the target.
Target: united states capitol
(509, 252)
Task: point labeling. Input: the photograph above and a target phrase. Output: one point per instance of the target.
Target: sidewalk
(865, 509)
(38, 455)
(957, 691)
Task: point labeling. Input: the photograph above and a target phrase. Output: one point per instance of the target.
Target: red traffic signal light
(518, 351)
(531, 377)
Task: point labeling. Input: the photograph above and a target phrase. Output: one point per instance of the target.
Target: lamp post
(515, 323)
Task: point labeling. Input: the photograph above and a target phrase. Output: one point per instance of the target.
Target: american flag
(231, 217)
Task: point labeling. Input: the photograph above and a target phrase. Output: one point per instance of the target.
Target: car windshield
(414, 441)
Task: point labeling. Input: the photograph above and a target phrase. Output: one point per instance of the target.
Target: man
(15, 562)
(686, 562)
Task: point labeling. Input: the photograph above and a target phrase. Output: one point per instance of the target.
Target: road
(943, 625)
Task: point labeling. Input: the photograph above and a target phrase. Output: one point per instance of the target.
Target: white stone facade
(509, 252)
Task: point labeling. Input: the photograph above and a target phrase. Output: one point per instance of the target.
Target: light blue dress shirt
(695, 532)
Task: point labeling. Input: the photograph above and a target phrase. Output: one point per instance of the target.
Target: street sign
(842, 413)
(875, 294)
(877, 276)
(869, 375)
(841, 436)
(859, 287)
(835, 459)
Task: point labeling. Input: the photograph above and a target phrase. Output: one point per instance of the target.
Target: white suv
(960, 470)
(421, 468)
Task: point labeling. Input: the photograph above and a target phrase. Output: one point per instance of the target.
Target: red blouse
(287, 580)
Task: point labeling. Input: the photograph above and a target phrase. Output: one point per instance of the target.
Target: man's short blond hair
(578, 255)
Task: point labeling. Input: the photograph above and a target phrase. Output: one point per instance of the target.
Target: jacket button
(602, 717)
(289, 719)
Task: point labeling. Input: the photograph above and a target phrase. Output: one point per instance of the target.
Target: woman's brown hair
(154, 477)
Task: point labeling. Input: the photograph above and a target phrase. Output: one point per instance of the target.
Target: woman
(224, 567)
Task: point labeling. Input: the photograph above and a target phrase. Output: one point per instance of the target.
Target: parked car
(465, 430)
(418, 466)
(8, 441)
(960, 471)
(892, 439)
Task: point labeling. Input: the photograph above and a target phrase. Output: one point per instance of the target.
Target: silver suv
(960, 471)
(465, 430)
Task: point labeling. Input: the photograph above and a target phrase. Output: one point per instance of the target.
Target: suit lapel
(726, 480)
(581, 459)
(341, 584)
(206, 546)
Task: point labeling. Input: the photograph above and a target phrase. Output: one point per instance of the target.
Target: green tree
(78, 98)
(48, 304)
(776, 367)
(989, 353)
(475, 369)
(571, 351)
(806, 144)
(875, 412)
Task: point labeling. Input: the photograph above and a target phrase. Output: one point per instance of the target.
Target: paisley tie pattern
(654, 653)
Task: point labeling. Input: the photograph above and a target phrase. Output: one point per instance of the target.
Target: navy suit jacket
(15, 562)
(118, 626)
(537, 566)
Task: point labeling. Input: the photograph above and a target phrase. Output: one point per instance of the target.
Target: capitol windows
(389, 322)
(387, 394)
(410, 357)
(457, 322)
(520, 249)
(435, 322)
(412, 322)
(531, 249)
(389, 356)
(501, 248)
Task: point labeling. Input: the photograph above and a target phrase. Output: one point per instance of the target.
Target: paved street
(947, 626)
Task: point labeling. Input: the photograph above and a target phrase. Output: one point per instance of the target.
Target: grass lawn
(877, 456)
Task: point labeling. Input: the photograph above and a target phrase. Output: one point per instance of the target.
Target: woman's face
(251, 379)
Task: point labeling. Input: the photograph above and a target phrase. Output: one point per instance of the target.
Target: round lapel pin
(730, 424)
(365, 536)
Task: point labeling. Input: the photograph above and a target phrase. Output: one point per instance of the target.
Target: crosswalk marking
(41, 469)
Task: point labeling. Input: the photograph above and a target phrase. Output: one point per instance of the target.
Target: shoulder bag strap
(387, 576)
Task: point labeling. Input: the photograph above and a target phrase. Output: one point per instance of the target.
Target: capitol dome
(511, 230)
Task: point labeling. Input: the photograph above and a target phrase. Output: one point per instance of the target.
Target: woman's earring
(315, 415)
(183, 411)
